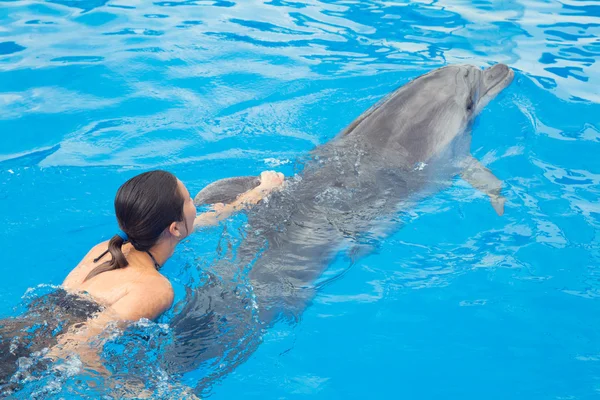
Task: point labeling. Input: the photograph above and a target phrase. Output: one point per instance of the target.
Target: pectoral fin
(482, 179)
(226, 190)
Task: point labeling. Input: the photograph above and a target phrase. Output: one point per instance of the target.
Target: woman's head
(149, 207)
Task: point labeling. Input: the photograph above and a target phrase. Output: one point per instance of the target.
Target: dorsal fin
(226, 190)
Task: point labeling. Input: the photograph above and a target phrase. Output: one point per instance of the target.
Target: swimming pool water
(458, 303)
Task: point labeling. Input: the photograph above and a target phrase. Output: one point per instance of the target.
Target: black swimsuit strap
(156, 264)
(100, 256)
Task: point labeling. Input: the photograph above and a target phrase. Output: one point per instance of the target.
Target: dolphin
(408, 146)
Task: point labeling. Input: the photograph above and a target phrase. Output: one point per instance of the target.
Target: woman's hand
(269, 182)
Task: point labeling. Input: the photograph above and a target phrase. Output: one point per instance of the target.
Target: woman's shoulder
(155, 284)
(77, 274)
(147, 298)
(99, 248)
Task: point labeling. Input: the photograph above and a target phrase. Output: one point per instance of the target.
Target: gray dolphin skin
(225, 190)
(409, 146)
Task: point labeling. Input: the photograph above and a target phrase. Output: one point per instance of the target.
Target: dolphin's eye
(470, 104)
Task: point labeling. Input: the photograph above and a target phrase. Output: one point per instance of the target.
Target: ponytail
(118, 258)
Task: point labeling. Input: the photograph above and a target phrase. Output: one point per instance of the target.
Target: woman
(155, 212)
(119, 280)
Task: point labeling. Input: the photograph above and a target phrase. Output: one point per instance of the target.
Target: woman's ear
(175, 231)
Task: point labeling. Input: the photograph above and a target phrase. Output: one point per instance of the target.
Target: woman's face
(189, 209)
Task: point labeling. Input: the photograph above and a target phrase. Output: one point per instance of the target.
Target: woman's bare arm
(269, 181)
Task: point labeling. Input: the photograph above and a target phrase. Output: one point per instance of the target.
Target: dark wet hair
(145, 206)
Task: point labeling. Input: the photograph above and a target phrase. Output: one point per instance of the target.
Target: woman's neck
(158, 254)
(162, 251)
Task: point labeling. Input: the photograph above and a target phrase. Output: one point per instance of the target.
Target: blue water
(458, 303)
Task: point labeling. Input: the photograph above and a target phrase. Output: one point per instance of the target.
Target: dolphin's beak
(493, 81)
(496, 78)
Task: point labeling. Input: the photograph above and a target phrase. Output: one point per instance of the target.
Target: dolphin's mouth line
(500, 82)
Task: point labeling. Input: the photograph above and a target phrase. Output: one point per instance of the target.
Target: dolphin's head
(466, 89)
(492, 81)
(423, 117)
(438, 107)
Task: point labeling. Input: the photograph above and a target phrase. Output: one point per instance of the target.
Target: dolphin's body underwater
(408, 146)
